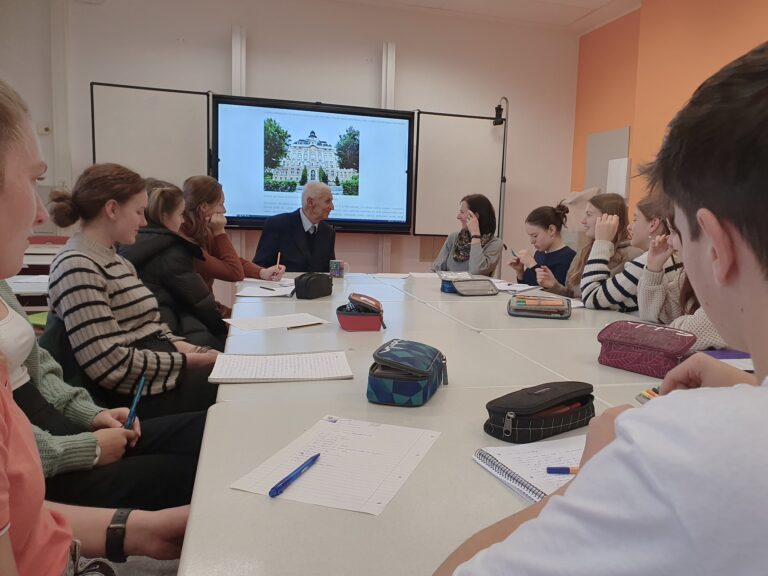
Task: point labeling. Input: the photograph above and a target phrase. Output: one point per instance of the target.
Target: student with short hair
(165, 262)
(474, 248)
(111, 319)
(544, 226)
(38, 537)
(620, 250)
(602, 290)
(678, 485)
(669, 298)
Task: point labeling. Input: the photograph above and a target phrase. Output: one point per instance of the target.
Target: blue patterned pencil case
(406, 373)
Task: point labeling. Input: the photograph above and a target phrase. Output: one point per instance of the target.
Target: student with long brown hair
(165, 262)
(668, 298)
(204, 224)
(111, 319)
(606, 215)
(602, 290)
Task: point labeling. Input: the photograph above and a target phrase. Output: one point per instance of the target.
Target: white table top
(447, 498)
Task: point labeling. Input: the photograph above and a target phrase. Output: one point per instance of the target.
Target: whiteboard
(158, 133)
(456, 156)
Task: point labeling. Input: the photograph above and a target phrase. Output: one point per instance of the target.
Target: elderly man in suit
(304, 240)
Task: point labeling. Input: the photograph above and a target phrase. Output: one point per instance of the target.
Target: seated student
(543, 227)
(303, 238)
(474, 248)
(165, 263)
(204, 224)
(684, 474)
(602, 204)
(669, 298)
(111, 319)
(88, 457)
(37, 538)
(602, 290)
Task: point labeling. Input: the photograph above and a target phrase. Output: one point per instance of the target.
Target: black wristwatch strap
(477, 236)
(116, 535)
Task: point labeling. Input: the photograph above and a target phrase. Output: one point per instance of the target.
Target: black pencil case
(539, 412)
(311, 285)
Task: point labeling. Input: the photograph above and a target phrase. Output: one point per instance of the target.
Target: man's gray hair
(313, 189)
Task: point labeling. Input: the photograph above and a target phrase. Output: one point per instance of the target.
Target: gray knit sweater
(58, 453)
(105, 309)
(482, 259)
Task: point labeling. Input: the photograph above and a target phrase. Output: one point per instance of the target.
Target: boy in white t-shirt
(677, 486)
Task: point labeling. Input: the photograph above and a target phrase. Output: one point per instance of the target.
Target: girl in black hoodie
(164, 261)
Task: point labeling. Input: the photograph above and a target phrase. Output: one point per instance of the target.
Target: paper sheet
(530, 461)
(270, 322)
(505, 286)
(43, 279)
(391, 275)
(361, 467)
(423, 274)
(243, 368)
(265, 289)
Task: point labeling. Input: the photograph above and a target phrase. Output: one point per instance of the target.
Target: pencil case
(539, 412)
(530, 306)
(406, 373)
(362, 313)
(475, 287)
(313, 285)
(644, 348)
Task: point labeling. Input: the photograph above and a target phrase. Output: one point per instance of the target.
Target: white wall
(318, 50)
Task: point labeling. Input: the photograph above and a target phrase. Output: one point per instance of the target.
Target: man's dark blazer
(285, 233)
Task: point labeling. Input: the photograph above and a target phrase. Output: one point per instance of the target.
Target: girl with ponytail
(544, 226)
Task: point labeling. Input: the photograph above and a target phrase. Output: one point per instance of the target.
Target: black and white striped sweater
(105, 309)
(602, 290)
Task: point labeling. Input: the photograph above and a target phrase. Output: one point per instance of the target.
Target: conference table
(448, 496)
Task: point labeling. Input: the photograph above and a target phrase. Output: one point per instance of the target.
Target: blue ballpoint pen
(278, 488)
(132, 414)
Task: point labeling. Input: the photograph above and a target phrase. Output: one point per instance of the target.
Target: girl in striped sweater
(598, 209)
(603, 290)
(111, 319)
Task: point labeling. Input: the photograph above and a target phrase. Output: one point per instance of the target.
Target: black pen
(265, 288)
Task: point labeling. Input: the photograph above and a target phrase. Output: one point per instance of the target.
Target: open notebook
(523, 467)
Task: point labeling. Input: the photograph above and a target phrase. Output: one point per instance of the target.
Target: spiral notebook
(523, 467)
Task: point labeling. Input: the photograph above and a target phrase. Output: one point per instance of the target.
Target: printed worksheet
(361, 466)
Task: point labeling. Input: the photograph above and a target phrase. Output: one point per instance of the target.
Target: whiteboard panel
(159, 134)
(457, 156)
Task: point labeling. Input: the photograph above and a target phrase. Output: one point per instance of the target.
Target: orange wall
(639, 70)
(605, 90)
(683, 42)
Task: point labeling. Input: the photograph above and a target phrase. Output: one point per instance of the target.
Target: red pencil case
(361, 314)
(643, 348)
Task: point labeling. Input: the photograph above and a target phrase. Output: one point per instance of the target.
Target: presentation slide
(266, 155)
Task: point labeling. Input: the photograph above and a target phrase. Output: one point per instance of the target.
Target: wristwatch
(477, 236)
(116, 535)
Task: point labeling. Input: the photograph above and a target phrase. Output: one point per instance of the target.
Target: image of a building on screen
(288, 165)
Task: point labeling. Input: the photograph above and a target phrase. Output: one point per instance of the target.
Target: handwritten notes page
(523, 467)
(361, 467)
(281, 321)
(243, 368)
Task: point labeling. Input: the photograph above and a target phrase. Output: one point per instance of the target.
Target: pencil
(278, 260)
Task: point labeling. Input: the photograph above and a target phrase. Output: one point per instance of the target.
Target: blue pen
(278, 488)
(562, 469)
(132, 414)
